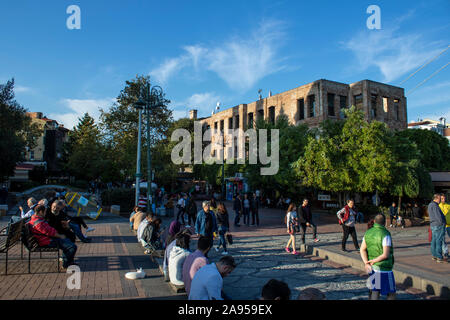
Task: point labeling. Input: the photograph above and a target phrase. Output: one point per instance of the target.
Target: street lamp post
(138, 106)
(153, 99)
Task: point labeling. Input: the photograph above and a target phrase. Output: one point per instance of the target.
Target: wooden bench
(32, 245)
(10, 236)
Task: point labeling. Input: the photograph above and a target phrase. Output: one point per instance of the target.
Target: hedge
(123, 197)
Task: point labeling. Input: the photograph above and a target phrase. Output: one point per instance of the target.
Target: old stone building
(311, 104)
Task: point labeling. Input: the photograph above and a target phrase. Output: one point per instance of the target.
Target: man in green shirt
(377, 254)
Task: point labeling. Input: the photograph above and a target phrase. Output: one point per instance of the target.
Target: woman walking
(223, 226)
(292, 226)
(347, 218)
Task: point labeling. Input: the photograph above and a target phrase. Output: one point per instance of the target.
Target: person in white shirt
(208, 280)
(142, 226)
(31, 202)
(177, 256)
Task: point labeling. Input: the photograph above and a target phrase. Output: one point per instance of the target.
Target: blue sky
(202, 52)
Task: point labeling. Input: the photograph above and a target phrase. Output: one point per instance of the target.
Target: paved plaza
(259, 252)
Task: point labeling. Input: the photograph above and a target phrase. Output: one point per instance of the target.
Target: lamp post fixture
(153, 99)
(139, 106)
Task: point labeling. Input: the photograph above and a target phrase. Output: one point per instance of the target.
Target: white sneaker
(224, 253)
(390, 226)
(217, 249)
(187, 226)
(89, 229)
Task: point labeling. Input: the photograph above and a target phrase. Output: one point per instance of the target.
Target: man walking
(377, 254)
(437, 224)
(305, 219)
(445, 207)
(206, 224)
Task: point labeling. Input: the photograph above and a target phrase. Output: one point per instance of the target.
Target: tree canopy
(17, 132)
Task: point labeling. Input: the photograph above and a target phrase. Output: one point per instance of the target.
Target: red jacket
(346, 214)
(41, 230)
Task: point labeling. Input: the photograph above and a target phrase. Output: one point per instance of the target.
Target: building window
(342, 105)
(32, 155)
(235, 148)
(221, 126)
(396, 109)
(373, 106)
(260, 114)
(385, 104)
(311, 106)
(230, 123)
(301, 109)
(214, 153)
(250, 120)
(215, 127)
(343, 102)
(272, 115)
(330, 98)
(358, 101)
(237, 122)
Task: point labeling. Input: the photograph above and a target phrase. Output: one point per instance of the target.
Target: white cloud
(78, 108)
(22, 89)
(168, 69)
(205, 103)
(239, 61)
(393, 54)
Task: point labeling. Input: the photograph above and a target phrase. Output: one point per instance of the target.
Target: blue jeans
(222, 240)
(437, 236)
(76, 229)
(68, 248)
(247, 216)
(444, 244)
(236, 217)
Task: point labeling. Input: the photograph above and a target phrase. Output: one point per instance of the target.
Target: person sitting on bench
(58, 219)
(48, 237)
(32, 203)
(150, 238)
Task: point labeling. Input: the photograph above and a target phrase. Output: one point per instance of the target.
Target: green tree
(433, 148)
(17, 132)
(85, 151)
(411, 178)
(292, 142)
(350, 156)
(119, 125)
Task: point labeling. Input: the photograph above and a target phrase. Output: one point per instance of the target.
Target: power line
(426, 63)
(436, 72)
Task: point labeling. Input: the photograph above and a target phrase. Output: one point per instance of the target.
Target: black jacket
(237, 205)
(222, 220)
(150, 235)
(55, 222)
(305, 214)
(254, 204)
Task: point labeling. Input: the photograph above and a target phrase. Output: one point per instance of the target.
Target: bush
(121, 196)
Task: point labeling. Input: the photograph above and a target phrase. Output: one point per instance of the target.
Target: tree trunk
(399, 204)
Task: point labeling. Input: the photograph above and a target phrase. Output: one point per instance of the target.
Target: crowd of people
(53, 226)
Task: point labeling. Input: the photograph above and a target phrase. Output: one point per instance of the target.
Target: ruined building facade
(311, 104)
